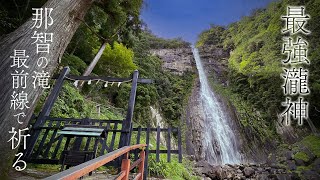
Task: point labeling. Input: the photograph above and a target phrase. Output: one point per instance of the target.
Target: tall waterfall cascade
(219, 142)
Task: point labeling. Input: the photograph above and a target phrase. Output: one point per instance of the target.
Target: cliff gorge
(215, 60)
(252, 146)
(179, 61)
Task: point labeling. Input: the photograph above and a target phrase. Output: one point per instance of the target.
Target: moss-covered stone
(313, 143)
(303, 168)
(302, 156)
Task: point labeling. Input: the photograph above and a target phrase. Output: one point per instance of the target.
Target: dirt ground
(33, 174)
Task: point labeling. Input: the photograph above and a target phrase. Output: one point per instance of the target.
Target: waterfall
(219, 143)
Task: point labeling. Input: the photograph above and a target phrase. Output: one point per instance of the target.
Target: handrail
(89, 166)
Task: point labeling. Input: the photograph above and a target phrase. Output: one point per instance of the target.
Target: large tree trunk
(65, 16)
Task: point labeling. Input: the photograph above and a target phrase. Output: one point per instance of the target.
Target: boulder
(309, 153)
(273, 171)
(239, 171)
(299, 162)
(309, 174)
(291, 165)
(316, 165)
(259, 169)
(289, 155)
(248, 171)
(220, 173)
(262, 177)
(283, 176)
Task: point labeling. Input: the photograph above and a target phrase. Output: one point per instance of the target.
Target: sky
(187, 18)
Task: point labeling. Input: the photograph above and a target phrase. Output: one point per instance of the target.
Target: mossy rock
(302, 156)
(303, 168)
(313, 143)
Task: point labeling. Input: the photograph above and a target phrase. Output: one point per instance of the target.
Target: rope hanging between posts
(98, 80)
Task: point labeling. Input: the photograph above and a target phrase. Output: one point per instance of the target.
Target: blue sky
(187, 18)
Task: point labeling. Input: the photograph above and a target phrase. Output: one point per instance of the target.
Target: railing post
(179, 145)
(158, 145)
(141, 165)
(126, 125)
(125, 166)
(147, 153)
(169, 145)
(45, 112)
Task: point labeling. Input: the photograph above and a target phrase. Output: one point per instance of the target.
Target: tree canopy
(116, 61)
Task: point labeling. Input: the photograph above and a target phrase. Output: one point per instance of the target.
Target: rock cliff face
(179, 61)
(215, 61)
(256, 162)
(157, 120)
(195, 124)
(176, 61)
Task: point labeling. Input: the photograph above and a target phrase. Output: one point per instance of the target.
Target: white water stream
(219, 141)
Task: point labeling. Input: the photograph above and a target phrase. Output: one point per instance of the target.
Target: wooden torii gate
(51, 136)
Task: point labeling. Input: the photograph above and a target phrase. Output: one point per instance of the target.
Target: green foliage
(313, 143)
(83, 44)
(72, 104)
(173, 91)
(172, 170)
(255, 61)
(169, 91)
(146, 96)
(161, 43)
(163, 169)
(212, 36)
(116, 61)
(116, 20)
(76, 65)
(302, 168)
(301, 155)
(109, 21)
(45, 167)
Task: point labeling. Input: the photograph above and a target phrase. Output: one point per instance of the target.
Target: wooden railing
(89, 166)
